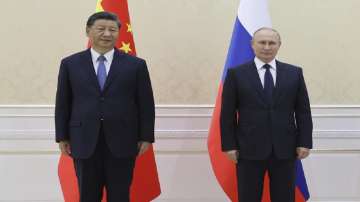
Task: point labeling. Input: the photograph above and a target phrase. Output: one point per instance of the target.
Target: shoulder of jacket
(287, 65)
(75, 55)
(131, 57)
(244, 67)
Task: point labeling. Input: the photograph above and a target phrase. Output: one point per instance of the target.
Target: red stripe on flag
(224, 169)
(299, 196)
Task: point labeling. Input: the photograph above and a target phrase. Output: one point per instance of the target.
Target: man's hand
(232, 155)
(302, 152)
(143, 147)
(65, 147)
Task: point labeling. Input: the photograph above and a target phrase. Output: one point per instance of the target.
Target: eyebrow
(102, 26)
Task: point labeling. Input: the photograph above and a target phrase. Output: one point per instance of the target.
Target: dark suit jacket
(261, 127)
(126, 105)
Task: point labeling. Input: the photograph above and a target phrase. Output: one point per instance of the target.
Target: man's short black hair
(102, 16)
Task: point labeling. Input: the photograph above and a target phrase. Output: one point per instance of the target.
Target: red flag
(145, 185)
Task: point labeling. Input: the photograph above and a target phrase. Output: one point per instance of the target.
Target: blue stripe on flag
(240, 48)
(301, 181)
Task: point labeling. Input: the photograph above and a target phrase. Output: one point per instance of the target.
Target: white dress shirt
(261, 71)
(109, 57)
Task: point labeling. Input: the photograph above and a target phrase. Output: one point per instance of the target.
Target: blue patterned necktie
(101, 71)
(268, 83)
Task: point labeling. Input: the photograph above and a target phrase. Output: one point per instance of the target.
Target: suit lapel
(256, 82)
(89, 69)
(280, 75)
(115, 68)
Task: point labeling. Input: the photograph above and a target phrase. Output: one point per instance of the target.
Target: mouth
(267, 53)
(106, 40)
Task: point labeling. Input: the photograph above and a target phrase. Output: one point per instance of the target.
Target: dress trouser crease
(250, 174)
(104, 170)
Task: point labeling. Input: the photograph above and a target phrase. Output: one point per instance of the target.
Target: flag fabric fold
(145, 185)
(252, 15)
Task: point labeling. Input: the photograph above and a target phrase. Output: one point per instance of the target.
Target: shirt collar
(108, 55)
(259, 64)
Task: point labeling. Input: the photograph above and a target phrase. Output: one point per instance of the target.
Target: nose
(267, 46)
(107, 32)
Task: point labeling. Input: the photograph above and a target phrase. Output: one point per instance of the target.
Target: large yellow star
(125, 47)
(99, 7)
(128, 27)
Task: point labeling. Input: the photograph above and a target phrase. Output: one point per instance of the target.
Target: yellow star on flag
(125, 47)
(129, 29)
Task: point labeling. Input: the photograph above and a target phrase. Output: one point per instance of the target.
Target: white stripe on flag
(254, 14)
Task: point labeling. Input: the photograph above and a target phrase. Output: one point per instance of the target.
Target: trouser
(104, 170)
(250, 174)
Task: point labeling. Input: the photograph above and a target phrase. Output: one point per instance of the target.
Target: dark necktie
(268, 83)
(101, 71)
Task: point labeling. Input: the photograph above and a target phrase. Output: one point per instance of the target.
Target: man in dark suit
(104, 113)
(265, 121)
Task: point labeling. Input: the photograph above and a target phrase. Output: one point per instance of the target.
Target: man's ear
(87, 31)
(252, 43)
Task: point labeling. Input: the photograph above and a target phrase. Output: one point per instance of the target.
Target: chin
(107, 45)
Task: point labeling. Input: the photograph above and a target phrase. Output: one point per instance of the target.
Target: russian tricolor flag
(252, 15)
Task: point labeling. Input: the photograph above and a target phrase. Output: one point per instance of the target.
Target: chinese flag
(145, 186)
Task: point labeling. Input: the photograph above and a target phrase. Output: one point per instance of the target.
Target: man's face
(266, 44)
(103, 34)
